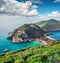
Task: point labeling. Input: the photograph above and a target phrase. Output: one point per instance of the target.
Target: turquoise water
(9, 25)
(7, 44)
(55, 35)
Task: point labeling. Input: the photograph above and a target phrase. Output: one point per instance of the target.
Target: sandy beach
(42, 41)
(49, 37)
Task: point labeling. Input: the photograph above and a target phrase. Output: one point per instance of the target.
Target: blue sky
(38, 9)
(48, 6)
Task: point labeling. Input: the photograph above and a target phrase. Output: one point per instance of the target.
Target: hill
(37, 54)
(49, 25)
(31, 32)
(49, 53)
(27, 32)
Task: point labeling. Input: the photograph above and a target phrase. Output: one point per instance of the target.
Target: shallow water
(7, 24)
(7, 44)
(55, 35)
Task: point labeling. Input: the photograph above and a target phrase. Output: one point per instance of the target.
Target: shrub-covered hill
(37, 54)
(50, 24)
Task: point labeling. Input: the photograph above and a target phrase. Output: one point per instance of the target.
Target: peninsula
(34, 32)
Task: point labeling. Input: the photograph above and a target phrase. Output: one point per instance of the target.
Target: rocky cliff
(27, 32)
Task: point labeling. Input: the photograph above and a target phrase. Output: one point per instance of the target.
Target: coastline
(42, 41)
(49, 38)
(54, 30)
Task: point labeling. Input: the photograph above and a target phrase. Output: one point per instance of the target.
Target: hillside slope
(50, 25)
(37, 54)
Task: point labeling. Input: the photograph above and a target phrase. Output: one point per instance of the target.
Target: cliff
(27, 32)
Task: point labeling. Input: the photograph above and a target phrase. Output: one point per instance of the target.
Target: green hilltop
(49, 24)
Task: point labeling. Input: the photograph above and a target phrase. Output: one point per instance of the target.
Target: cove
(7, 44)
(54, 35)
(8, 26)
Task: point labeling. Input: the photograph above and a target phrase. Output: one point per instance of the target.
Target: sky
(46, 6)
(30, 8)
(28, 11)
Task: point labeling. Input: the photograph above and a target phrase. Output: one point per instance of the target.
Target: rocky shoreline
(29, 33)
(44, 40)
(26, 33)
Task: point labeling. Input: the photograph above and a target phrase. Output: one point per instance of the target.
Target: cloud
(9, 21)
(13, 7)
(13, 22)
(36, 1)
(57, 1)
(2, 2)
(54, 14)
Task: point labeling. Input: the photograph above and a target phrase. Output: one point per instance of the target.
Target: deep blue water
(55, 35)
(7, 44)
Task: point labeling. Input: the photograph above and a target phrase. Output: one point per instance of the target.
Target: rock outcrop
(26, 33)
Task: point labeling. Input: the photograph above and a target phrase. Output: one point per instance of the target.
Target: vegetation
(50, 24)
(36, 54)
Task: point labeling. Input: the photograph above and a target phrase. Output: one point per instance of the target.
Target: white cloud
(9, 21)
(2, 2)
(37, 1)
(54, 14)
(18, 8)
(57, 1)
(12, 22)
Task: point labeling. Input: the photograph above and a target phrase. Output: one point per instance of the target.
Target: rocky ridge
(26, 33)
